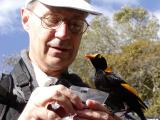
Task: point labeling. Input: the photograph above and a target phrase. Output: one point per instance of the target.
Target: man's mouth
(61, 49)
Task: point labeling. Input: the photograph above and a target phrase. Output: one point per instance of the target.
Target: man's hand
(41, 97)
(96, 111)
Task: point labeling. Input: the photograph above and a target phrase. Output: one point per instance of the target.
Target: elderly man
(55, 28)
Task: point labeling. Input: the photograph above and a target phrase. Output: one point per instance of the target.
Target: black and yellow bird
(122, 97)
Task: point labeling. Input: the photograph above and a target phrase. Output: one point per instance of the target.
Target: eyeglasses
(54, 21)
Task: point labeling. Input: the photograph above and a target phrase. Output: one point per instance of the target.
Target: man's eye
(77, 23)
(52, 21)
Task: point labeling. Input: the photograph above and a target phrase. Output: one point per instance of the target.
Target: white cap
(83, 5)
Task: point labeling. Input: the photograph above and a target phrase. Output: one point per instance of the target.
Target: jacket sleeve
(10, 104)
(5, 89)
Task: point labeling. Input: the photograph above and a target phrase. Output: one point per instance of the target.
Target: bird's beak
(90, 56)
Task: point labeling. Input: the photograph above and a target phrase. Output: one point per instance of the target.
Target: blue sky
(13, 38)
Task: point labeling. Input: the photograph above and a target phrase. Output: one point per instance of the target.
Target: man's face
(52, 50)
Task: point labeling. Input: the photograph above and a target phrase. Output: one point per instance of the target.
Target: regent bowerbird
(122, 96)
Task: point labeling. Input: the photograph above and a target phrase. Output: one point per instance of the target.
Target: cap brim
(81, 5)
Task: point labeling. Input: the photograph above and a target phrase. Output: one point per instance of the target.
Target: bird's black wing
(106, 83)
(121, 93)
(128, 95)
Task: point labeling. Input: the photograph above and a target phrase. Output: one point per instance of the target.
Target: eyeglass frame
(60, 22)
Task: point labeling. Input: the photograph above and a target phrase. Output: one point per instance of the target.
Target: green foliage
(128, 14)
(101, 36)
(154, 109)
(135, 23)
(139, 64)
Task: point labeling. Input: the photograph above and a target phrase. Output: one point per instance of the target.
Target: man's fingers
(94, 105)
(76, 101)
(32, 112)
(43, 96)
(96, 115)
(93, 115)
(45, 114)
(97, 111)
(63, 101)
(48, 94)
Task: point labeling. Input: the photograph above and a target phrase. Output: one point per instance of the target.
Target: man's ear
(25, 18)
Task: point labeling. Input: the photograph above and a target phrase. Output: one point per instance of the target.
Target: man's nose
(62, 31)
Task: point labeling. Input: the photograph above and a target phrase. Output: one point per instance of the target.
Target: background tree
(139, 65)
(134, 24)
(8, 62)
(100, 37)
